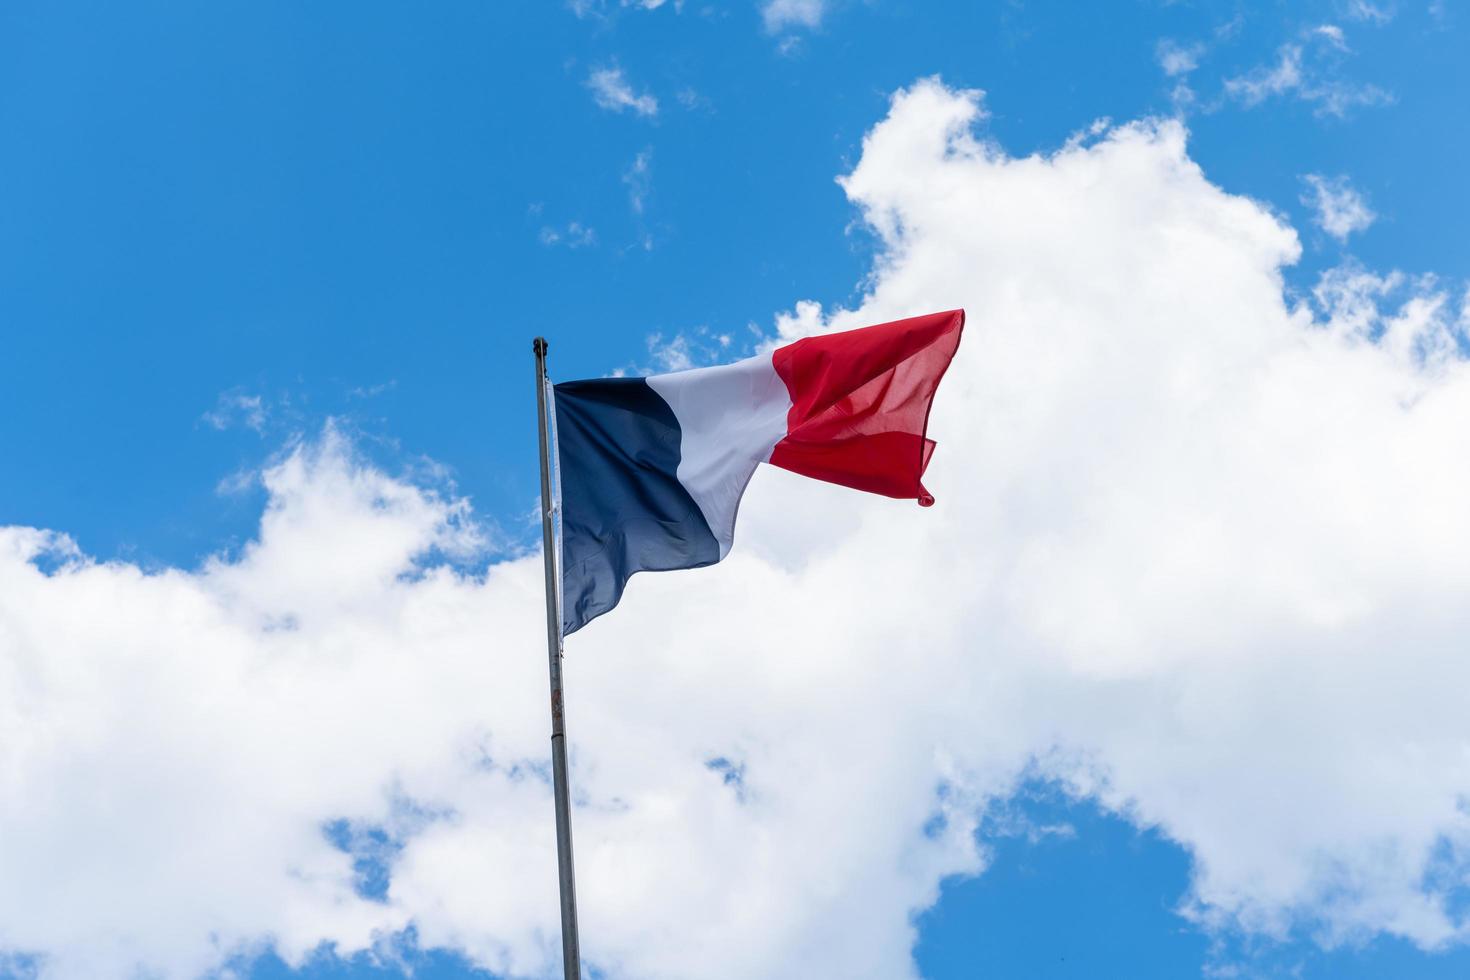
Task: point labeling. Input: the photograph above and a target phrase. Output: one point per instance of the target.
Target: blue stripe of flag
(623, 507)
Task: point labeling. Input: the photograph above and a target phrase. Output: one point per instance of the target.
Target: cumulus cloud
(611, 90)
(1199, 554)
(1338, 208)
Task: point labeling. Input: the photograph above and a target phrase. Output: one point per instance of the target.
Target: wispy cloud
(612, 90)
(784, 14)
(599, 8)
(1178, 59)
(1333, 35)
(1261, 83)
(1338, 208)
(1373, 13)
(237, 407)
(573, 235)
(1292, 75)
(372, 391)
(687, 349)
(691, 98)
(638, 178)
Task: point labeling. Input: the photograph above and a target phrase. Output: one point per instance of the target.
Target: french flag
(652, 469)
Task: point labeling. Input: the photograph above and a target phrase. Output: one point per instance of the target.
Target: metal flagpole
(570, 953)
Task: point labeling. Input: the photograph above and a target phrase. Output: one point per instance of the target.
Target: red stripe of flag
(860, 403)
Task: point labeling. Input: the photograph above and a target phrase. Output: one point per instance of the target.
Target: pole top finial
(539, 345)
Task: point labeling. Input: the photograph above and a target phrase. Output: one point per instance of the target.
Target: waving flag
(652, 469)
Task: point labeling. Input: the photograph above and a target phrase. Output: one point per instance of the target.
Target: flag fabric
(652, 469)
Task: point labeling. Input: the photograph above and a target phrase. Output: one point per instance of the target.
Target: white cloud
(783, 14)
(237, 407)
(673, 355)
(1339, 209)
(687, 349)
(1333, 35)
(611, 90)
(1371, 12)
(1199, 553)
(598, 8)
(638, 178)
(692, 99)
(1329, 95)
(1262, 82)
(1176, 59)
(1338, 98)
(574, 235)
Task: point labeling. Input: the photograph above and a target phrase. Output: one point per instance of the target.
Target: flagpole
(570, 952)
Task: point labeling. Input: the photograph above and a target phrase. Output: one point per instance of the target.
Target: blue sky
(222, 225)
(303, 204)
